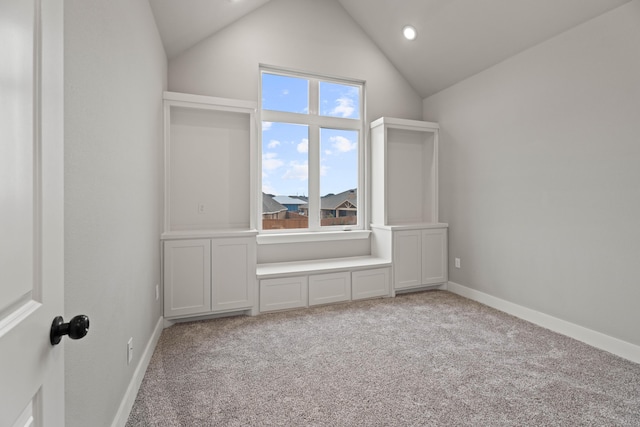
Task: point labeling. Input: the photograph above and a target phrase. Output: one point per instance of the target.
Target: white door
(434, 256)
(31, 212)
(407, 259)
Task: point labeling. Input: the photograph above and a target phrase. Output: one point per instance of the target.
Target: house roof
(270, 206)
(334, 201)
(288, 200)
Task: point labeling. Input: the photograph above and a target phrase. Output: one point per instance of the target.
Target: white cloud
(267, 188)
(270, 162)
(303, 147)
(273, 143)
(297, 171)
(342, 144)
(285, 92)
(266, 125)
(344, 107)
(328, 152)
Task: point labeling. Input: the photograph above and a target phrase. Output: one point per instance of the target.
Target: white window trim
(315, 121)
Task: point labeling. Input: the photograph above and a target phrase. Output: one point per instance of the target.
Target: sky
(285, 147)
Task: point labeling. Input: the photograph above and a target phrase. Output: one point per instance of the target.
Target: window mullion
(314, 177)
(314, 97)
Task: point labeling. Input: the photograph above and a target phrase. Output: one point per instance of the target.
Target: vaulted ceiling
(456, 38)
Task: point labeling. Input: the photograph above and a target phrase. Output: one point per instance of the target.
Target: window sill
(321, 236)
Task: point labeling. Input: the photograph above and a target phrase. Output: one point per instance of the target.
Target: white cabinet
(317, 287)
(434, 256)
(407, 259)
(404, 177)
(419, 257)
(187, 277)
(209, 233)
(404, 188)
(207, 276)
(329, 288)
(233, 267)
(283, 293)
(210, 161)
(370, 283)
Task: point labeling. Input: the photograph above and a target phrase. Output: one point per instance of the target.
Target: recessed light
(409, 32)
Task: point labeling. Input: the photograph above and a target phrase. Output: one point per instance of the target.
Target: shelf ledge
(318, 236)
(206, 234)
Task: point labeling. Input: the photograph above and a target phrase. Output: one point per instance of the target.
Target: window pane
(338, 100)
(338, 177)
(285, 175)
(283, 93)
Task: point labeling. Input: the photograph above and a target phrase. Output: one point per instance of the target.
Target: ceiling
(456, 38)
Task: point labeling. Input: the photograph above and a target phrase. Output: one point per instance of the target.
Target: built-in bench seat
(287, 285)
(293, 268)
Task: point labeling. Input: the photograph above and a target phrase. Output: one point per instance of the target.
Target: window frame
(315, 122)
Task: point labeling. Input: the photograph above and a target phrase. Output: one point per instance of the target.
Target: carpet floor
(421, 359)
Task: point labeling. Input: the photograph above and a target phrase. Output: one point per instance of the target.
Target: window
(312, 153)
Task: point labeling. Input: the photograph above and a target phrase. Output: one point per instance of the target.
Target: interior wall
(306, 35)
(539, 174)
(115, 72)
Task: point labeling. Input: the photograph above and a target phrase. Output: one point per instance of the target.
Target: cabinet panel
(434, 255)
(232, 273)
(328, 288)
(187, 277)
(404, 178)
(370, 283)
(283, 293)
(209, 163)
(407, 259)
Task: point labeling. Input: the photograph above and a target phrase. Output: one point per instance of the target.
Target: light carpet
(421, 359)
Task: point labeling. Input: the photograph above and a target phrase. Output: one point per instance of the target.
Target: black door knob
(76, 328)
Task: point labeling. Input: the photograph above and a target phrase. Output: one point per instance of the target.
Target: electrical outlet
(157, 292)
(202, 208)
(457, 262)
(129, 350)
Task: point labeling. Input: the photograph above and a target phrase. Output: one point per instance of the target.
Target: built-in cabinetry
(279, 290)
(209, 243)
(404, 200)
(204, 276)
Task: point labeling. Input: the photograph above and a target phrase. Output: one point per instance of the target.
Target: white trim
(315, 122)
(419, 125)
(188, 99)
(132, 391)
(596, 339)
(282, 269)
(317, 236)
(206, 234)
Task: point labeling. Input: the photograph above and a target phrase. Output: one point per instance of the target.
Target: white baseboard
(132, 391)
(596, 339)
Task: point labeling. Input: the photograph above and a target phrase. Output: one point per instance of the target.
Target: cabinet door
(434, 256)
(233, 273)
(370, 283)
(187, 277)
(283, 293)
(407, 259)
(329, 288)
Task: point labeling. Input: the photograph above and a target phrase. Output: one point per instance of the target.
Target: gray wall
(115, 72)
(540, 176)
(306, 35)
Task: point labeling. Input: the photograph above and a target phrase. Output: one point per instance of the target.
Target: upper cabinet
(404, 178)
(210, 161)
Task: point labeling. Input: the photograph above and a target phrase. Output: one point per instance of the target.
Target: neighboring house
(337, 205)
(291, 203)
(271, 209)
